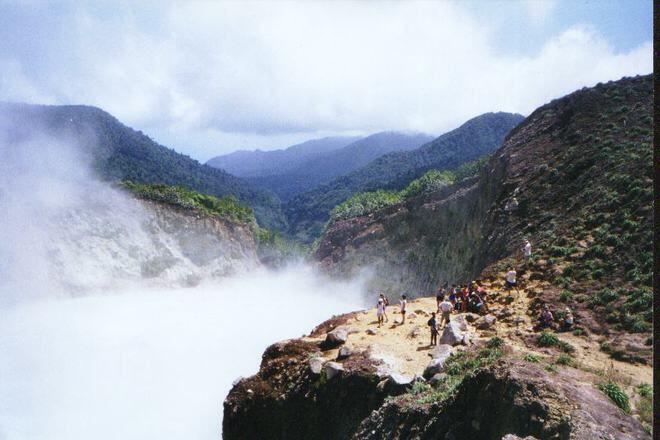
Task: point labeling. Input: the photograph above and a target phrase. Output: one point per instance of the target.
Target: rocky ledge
(351, 380)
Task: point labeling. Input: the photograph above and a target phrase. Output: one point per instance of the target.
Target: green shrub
(616, 394)
(364, 203)
(547, 339)
(645, 390)
(495, 342)
(578, 332)
(419, 387)
(551, 368)
(432, 181)
(529, 357)
(564, 359)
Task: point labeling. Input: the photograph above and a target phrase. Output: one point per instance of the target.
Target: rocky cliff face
(575, 178)
(559, 165)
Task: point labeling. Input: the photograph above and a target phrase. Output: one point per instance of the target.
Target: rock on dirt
(332, 369)
(485, 322)
(451, 335)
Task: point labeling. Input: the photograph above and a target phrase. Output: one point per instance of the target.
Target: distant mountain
(308, 211)
(119, 152)
(325, 167)
(258, 163)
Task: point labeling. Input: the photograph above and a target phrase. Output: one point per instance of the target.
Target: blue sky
(208, 78)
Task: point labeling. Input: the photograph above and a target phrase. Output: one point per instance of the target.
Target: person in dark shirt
(433, 324)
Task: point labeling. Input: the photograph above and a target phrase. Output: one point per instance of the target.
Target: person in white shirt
(387, 303)
(445, 307)
(380, 311)
(403, 303)
(527, 250)
(511, 278)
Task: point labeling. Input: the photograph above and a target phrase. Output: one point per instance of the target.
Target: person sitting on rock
(476, 303)
(463, 294)
(511, 278)
(446, 308)
(433, 324)
(387, 303)
(546, 317)
(403, 303)
(380, 311)
(568, 321)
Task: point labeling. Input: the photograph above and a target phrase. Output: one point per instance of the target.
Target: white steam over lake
(89, 349)
(149, 364)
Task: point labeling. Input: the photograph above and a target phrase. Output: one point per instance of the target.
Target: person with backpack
(433, 325)
(403, 303)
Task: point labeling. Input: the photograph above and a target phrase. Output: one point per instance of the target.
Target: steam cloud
(88, 349)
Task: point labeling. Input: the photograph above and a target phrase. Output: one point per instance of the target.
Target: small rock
(442, 351)
(249, 391)
(371, 332)
(412, 315)
(466, 339)
(451, 334)
(400, 380)
(471, 317)
(316, 364)
(437, 378)
(344, 352)
(415, 332)
(485, 322)
(332, 369)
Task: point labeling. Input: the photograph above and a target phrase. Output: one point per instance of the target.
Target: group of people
(471, 298)
(547, 319)
(468, 298)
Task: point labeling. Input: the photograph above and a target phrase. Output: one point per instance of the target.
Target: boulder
(440, 355)
(344, 352)
(336, 337)
(332, 369)
(316, 364)
(485, 322)
(400, 380)
(437, 378)
(442, 351)
(451, 335)
(461, 321)
(515, 437)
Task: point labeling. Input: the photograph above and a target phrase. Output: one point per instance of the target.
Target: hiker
(380, 311)
(445, 307)
(511, 278)
(546, 317)
(568, 321)
(440, 294)
(527, 251)
(475, 302)
(403, 304)
(463, 295)
(387, 303)
(453, 299)
(433, 324)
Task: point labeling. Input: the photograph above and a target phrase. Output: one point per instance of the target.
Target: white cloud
(538, 11)
(287, 70)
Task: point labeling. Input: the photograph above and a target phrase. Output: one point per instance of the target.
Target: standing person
(387, 303)
(440, 294)
(511, 278)
(527, 252)
(433, 324)
(380, 311)
(403, 304)
(445, 307)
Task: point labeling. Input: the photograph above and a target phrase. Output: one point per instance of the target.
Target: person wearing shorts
(380, 311)
(403, 303)
(446, 308)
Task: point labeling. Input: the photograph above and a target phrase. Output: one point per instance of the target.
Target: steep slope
(327, 166)
(258, 163)
(581, 171)
(308, 212)
(118, 152)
